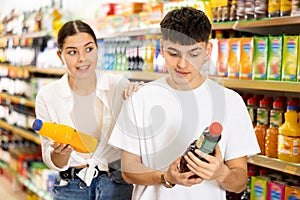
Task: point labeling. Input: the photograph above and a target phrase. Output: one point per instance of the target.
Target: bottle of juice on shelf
(206, 144)
(252, 109)
(289, 135)
(262, 123)
(64, 134)
(271, 141)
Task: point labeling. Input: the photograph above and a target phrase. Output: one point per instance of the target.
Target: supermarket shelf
(265, 26)
(29, 35)
(33, 69)
(27, 183)
(259, 84)
(50, 71)
(273, 26)
(22, 132)
(18, 100)
(223, 25)
(139, 75)
(275, 164)
(131, 33)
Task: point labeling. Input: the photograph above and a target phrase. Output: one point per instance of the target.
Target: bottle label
(275, 118)
(252, 113)
(207, 146)
(262, 116)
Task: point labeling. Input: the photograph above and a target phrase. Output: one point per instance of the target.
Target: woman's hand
(61, 154)
(63, 149)
(131, 88)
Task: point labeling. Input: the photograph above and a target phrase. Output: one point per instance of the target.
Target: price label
(290, 169)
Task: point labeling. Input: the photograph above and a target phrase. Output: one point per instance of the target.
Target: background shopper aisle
(8, 192)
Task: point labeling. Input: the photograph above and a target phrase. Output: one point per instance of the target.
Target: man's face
(184, 63)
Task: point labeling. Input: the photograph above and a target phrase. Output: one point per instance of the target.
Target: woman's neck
(83, 86)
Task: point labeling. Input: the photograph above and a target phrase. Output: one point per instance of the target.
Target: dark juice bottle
(206, 144)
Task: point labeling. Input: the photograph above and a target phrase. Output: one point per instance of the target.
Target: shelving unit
(276, 164)
(27, 183)
(22, 132)
(274, 26)
(266, 26)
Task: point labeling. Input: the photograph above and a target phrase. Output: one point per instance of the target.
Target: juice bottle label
(253, 114)
(275, 118)
(262, 116)
(234, 58)
(223, 55)
(246, 58)
(289, 59)
(274, 58)
(260, 58)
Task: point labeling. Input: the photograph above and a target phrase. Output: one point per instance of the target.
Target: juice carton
(260, 58)
(298, 69)
(275, 190)
(259, 187)
(246, 58)
(223, 55)
(292, 193)
(289, 57)
(274, 58)
(234, 57)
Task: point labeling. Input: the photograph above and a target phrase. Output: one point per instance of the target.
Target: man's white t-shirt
(159, 123)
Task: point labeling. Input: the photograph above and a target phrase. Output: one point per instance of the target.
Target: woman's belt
(71, 173)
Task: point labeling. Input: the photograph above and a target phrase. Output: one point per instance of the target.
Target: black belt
(71, 173)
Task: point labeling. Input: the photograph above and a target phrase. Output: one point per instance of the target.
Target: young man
(157, 124)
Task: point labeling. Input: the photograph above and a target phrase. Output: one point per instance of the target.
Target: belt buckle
(65, 174)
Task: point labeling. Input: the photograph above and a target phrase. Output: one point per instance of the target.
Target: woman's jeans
(103, 187)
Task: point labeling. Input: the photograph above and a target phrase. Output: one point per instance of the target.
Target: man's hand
(213, 170)
(174, 176)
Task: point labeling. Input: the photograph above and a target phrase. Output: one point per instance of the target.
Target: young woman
(88, 100)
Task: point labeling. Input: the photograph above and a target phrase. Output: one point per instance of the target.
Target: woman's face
(80, 55)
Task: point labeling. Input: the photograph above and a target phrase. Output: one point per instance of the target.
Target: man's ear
(208, 50)
(58, 52)
(162, 47)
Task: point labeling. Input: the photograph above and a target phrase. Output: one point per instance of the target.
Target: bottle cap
(37, 125)
(215, 128)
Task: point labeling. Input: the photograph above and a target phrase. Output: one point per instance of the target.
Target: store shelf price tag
(290, 169)
(22, 101)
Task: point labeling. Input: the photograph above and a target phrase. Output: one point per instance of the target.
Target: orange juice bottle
(64, 134)
(271, 140)
(262, 123)
(289, 135)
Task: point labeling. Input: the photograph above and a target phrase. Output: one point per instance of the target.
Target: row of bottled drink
(255, 9)
(131, 54)
(276, 125)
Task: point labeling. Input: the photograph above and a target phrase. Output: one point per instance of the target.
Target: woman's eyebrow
(71, 47)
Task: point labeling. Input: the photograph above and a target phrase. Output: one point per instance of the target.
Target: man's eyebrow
(191, 50)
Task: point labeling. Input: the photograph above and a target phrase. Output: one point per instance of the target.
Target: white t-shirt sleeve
(241, 139)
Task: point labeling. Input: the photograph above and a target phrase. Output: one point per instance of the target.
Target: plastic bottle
(64, 134)
(262, 123)
(252, 109)
(289, 135)
(271, 142)
(206, 144)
